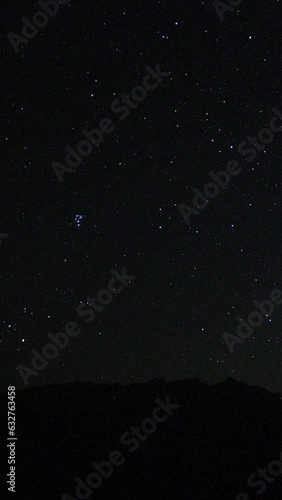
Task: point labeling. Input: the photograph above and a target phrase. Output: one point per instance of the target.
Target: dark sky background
(191, 281)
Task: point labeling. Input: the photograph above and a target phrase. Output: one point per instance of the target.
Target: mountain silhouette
(196, 441)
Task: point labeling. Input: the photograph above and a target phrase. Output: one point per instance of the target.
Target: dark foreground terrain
(206, 445)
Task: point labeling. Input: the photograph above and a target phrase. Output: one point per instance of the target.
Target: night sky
(120, 207)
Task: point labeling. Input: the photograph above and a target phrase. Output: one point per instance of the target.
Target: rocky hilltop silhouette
(158, 440)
